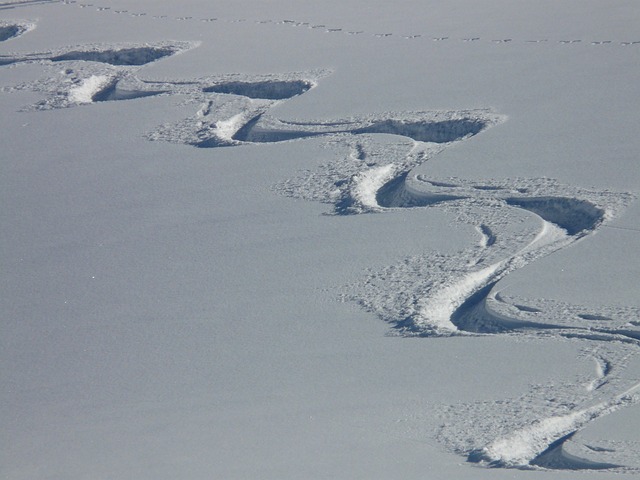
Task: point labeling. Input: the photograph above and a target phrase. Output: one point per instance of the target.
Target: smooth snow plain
(332, 240)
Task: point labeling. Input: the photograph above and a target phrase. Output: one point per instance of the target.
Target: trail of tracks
(518, 220)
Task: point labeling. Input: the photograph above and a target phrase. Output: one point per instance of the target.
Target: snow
(523, 447)
(86, 91)
(226, 129)
(436, 311)
(367, 183)
(319, 240)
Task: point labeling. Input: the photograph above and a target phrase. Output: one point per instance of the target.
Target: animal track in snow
(23, 3)
(321, 27)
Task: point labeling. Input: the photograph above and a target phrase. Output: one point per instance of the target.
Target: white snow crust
(89, 87)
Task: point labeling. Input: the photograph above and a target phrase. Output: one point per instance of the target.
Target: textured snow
(319, 240)
(88, 89)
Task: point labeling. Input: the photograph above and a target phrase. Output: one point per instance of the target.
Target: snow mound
(89, 88)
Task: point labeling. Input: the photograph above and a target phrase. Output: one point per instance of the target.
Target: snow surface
(208, 209)
(88, 89)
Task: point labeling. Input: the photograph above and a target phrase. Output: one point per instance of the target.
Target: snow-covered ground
(340, 239)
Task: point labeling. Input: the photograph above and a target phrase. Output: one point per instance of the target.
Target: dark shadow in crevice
(426, 131)
(394, 194)
(573, 215)
(555, 458)
(113, 93)
(266, 89)
(123, 57)
(10, 31)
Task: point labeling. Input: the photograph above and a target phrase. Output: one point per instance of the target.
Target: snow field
(380, 165)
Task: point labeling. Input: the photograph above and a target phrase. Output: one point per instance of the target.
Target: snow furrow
(526, 446)
(518, 220)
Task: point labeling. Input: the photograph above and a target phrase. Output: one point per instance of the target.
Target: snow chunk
(366, 185)
(89, 87)
(436, 311)
(226, 129)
